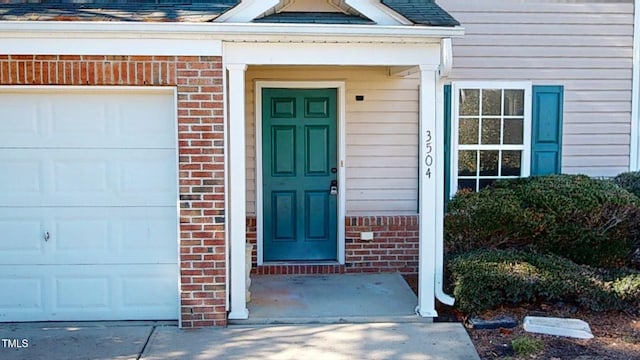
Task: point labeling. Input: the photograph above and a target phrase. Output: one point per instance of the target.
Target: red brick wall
(394, 248)
(198, 80)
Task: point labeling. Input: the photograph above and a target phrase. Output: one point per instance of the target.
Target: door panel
(284, 151)
(299, 151)
(284, 215)
(317, 212)
(317, 150)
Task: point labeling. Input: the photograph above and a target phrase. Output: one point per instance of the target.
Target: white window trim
(455, 104)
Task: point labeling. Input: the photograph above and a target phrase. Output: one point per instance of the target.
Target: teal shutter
(546, 134)
(447, 143)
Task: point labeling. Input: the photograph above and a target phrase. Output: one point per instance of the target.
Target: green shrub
(627, 288)
(590, 221)
(487, 219)
(629, 181)
(485, 279)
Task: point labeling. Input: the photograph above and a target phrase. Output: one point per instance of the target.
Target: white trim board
(341, 127)
(634, 154)
(333, 54)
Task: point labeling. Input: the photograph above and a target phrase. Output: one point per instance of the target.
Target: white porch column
(237, 191)
(431, 190)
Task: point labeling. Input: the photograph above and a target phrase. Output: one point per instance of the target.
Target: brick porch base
(394, 248)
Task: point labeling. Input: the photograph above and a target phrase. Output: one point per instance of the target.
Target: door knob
(333, 189)
(46, 236)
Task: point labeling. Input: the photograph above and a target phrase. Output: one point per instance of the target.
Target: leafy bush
(629, 181)
(485, 279)
(627, 288)
(590, 221)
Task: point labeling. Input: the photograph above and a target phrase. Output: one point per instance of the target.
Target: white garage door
(88, 217)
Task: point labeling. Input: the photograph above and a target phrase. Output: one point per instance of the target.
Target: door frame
(341, 136)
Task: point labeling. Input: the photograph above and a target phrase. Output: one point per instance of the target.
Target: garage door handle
(46, 236)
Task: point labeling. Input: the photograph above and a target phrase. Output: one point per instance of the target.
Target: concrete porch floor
(303, 299)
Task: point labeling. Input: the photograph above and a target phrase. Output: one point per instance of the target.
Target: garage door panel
(20, 175)
(20, 120)
(106, 236)
(21, 235)
(81, 235)
(147, 290)
(26, 294)
(70, 116)
(98, 292)
(91, 120)
(134, 120)
(153, 233)
(149, 173)
(88, 235)
(95, 177)
(77, 291)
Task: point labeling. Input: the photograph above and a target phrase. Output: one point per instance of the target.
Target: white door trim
(341, 88)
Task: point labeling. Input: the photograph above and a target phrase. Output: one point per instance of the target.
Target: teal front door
(299, 168)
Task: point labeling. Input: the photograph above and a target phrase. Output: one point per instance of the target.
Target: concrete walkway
(364, 316)
(446, 341)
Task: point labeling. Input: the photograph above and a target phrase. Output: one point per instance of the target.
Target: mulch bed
(616, 334)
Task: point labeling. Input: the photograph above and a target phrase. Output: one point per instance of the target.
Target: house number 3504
(428, 159)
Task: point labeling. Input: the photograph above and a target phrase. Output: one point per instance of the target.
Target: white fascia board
(247, 10)
(332, 54)
(47, 45)
(378, 12)
(193, 38)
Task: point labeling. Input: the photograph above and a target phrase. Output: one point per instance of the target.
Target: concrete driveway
(149, 340)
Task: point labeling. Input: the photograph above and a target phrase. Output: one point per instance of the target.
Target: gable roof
(419, 12)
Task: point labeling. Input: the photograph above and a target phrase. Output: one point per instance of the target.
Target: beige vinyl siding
(381, 135)
(584, 45)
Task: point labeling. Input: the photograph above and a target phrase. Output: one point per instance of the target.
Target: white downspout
(444, 70)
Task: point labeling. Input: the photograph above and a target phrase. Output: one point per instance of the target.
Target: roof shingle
(420, 12)
(114, 10)
(423, 12)
(296, 17)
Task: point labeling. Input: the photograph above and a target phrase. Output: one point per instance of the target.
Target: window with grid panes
(492, 142)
